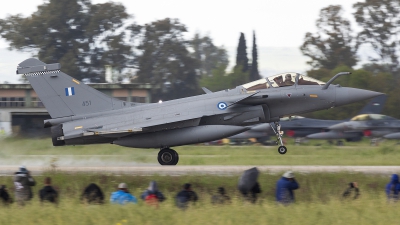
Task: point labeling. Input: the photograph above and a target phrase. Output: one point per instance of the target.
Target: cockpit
(365, 117)
(281, 80)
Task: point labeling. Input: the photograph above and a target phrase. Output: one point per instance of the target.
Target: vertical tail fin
(374, 106)
(61, 94)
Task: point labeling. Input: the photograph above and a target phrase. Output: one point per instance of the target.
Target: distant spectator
(353, 186)
(48, 193)
(221, 197)
(122, 196)
(393, 188)
(254, 191)
(92, 194)
(152, 195)
(285, 187)
(4, 196)
(23, 182)
(251, 196)
(185, 196)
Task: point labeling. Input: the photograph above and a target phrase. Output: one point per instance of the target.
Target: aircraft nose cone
(323, 135)
(346, 95)
(340, 126)
(392, 136)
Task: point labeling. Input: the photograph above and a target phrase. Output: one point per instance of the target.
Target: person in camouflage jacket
(23, 182)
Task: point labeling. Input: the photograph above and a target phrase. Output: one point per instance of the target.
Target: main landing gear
(168, 156)
(277, 130)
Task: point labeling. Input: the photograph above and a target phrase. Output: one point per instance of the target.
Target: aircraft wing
(120, 130)
(243, 98)
(156, 122)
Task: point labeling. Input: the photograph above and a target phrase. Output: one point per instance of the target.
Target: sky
(280, 26)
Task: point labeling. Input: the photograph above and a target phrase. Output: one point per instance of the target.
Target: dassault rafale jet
(82, 115)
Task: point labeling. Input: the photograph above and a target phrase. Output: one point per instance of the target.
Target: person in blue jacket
(122, 196)
(285, 187)
(393, 188)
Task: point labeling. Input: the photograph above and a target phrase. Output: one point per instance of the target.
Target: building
(22, 112)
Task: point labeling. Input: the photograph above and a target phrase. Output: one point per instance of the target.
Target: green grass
(318, 201)
(365, 211)
(40, 151)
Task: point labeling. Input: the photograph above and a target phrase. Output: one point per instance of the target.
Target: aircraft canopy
(365, 117)
(281, 80)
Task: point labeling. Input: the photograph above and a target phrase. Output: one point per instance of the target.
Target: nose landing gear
(277, 130)
(168, 156)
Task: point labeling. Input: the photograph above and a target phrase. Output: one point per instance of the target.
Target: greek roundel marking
(222, 105)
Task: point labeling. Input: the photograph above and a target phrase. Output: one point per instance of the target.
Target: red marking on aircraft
(367, 133)
(290, 133)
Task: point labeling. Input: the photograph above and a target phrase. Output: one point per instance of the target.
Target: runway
(201, 170)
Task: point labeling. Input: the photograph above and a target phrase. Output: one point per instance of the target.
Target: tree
(241, 55)
(380, 20)
(254, 74)
(165, 60)
(208, 56)
(82, 36)
(377, 68)
(237, 77)
(333, 44)
(220, 80)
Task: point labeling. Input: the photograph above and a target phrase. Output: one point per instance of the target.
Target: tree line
(85, 37)
(334, 48)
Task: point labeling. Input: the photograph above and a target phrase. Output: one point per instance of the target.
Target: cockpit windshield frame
(367, 117)
(281, 80)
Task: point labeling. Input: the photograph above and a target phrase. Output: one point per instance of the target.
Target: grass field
(318, 201)
(16, 151)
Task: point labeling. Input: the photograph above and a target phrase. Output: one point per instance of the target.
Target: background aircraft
(83, 115)
(300, 127)
(368, 125)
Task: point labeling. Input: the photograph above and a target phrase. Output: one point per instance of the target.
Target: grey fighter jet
(369, 125)
(300, 127)
(82, 115)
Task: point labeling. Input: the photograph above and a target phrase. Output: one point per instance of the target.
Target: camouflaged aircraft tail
(374, 106)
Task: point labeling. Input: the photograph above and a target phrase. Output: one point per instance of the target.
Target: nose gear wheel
(277, 130)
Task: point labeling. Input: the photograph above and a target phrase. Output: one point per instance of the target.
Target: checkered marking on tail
(42, 73)
(69, 91)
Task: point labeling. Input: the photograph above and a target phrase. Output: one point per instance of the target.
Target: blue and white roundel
(222, 105)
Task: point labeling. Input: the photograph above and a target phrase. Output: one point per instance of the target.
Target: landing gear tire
(282, 150)
(168, 156)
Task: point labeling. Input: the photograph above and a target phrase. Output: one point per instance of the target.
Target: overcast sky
(277, 23)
